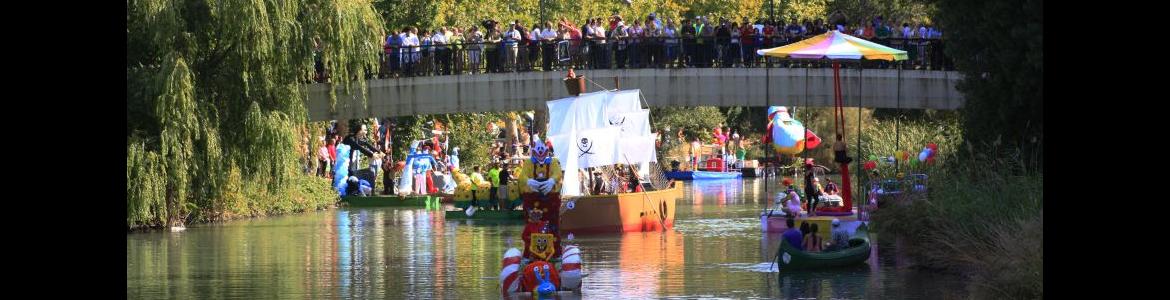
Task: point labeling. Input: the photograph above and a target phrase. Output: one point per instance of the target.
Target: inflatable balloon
(870, 165)
(872, 157)
(811, 139)
(930, 160)
(924, 154)
(913, 162)
(933, 146)
(787, 135)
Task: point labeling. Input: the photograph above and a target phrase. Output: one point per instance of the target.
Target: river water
(716, 250)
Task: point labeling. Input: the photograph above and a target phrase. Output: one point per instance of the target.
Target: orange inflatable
(530, 282)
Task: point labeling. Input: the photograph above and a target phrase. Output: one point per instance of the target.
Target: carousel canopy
(835, 45)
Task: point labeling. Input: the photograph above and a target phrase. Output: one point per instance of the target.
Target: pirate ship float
(598, 130)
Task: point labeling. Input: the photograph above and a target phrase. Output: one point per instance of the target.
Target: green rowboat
(391, 200)
(857, 253)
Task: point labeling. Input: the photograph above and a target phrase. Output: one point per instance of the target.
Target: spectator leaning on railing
(646, 42)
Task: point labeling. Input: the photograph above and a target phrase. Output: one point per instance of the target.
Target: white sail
(600, 129)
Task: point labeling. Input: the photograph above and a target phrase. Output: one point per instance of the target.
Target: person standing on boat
(505, 177)
(696, 153)
(476, 180)
(810, 187)
(840, 239)
(493, 200)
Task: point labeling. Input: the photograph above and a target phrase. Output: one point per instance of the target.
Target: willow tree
(218, 86)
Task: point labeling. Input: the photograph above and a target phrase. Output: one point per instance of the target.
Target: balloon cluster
(927, 155)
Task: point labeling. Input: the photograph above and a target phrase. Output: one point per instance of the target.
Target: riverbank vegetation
(216, 125)
(984, 213)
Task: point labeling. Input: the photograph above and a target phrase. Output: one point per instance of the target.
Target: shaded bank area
(983, 219)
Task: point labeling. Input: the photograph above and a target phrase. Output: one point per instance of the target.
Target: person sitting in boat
(840, 239)
(792, 235)
(792, 205)
(812, 241)
(831, 188)
(820, 188)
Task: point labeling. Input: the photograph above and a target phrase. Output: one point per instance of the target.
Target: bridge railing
(624, 53)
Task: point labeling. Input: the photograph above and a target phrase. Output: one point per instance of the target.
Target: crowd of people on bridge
(615, 42)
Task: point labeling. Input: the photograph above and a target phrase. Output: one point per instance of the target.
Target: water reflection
(715, 250)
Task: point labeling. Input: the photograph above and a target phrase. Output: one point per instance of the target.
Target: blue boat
(701, 175)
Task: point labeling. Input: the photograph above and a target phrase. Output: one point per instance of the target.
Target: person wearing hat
(840, 238)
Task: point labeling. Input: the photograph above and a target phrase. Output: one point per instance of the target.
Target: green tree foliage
(466, 131)
(216, 85)
(695, 121)
(892, 11)
(464, 13)
(998, 46)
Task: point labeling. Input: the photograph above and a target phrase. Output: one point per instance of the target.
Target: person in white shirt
(601, 57)
(411, 40)
(547, 39)
(442, 61)
(511, 39)
(474, 48)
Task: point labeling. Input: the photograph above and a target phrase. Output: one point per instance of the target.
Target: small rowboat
(857, 253)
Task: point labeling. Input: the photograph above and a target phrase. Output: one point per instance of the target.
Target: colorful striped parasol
(835, 45)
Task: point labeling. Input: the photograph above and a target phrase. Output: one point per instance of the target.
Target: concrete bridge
(871, 88)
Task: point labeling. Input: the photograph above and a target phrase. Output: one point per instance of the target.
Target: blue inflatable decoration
(341, 169)
(546, 288)
(416, 162)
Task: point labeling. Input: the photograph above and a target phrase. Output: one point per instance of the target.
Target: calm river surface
(716, 250)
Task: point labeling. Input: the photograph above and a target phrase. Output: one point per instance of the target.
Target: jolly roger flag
(596, 147)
